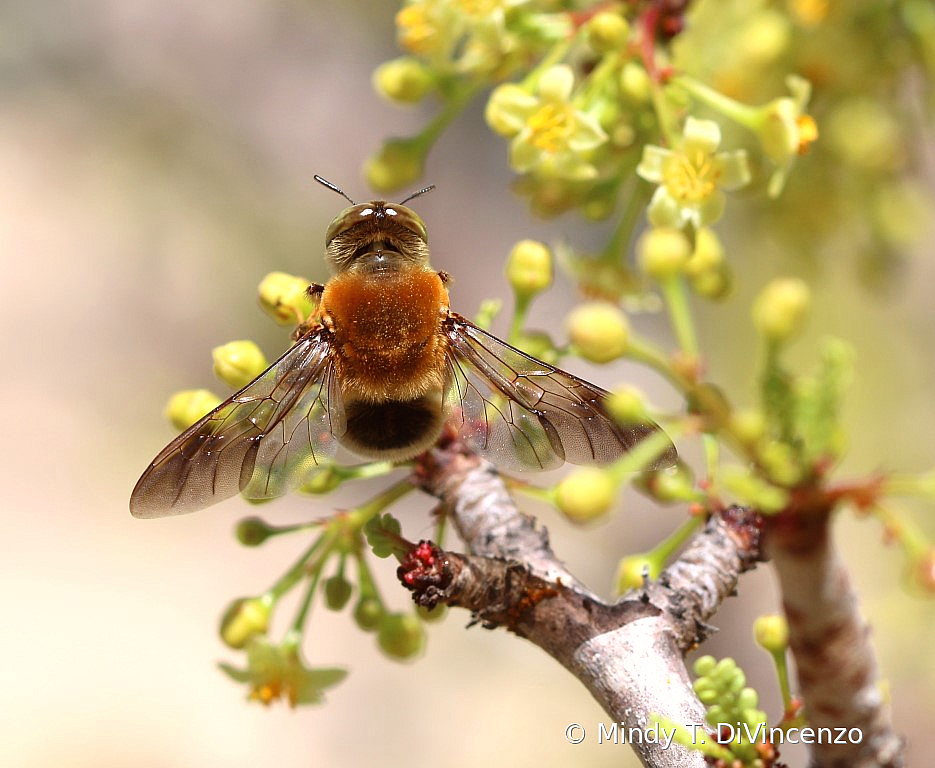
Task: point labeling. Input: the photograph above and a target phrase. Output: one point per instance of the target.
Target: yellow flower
(551, 138)
(278, 672)
(691, 177)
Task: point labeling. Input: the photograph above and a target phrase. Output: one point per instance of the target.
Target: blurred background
(157, 161)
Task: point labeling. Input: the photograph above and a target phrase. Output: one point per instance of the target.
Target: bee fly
(380, 368)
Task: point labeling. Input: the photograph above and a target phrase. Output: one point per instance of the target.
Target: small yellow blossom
(278, 672)
(691, 176)
(551, 138)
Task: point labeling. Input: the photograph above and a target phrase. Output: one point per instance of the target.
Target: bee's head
(364, 228)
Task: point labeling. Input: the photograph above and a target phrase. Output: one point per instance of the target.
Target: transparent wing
(523, 413)
(261, 442)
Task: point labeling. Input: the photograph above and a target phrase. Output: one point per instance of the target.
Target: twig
(629, 654)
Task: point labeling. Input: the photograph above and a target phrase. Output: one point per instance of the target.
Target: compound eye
(345, 220)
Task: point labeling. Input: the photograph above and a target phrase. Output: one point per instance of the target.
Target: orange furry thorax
(386, 325)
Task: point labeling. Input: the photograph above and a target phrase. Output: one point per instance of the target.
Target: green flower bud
(704, 665)
(398, 163)
(754, 491)
(779, 310)
(538, 344)
(663, 252)
(405, 80)
(607, 32)
(715, 284)
(285, 298)
(237, 363)
(337, 592)
(245, 618)
(253, 531)
(585, 494)
(630, 572)
(635, 83)
(186, 407)
(323, 480)
(599, 331)
(401, 635)
(368, 613)
(747, 699)
(708, 254)
(781, 463)
(435, 614)
(771, 633)
(627, 406)
(529, 268)
(748, 425)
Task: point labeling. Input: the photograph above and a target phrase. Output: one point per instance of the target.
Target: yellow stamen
(550, 125)
(690, 179)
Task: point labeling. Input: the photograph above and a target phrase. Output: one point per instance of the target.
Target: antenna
(335, 188)
(417, 194)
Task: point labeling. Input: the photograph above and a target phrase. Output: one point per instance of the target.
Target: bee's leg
(314, 292)
(444, 277)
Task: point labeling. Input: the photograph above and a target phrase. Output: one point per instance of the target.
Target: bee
(381, 367)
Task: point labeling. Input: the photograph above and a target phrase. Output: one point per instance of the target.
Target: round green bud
(435, 614)
(529, 267)
(323, 480)
(779, 311)
(585, 494)
(715, 284)
(771, 632)
(630, 572)
(635, 83)
(747, 699)
(599, 331)
(405, 80)
(708, 254)
(704, 665)
(663, 252)
(186, 407)
(237, 363)
(781, 462)
(337, 592)
(245, 618)
(538, 344)
(627, 406)
(285, 298)
(748, 425)
(398, 163)
(671, 484)
(368, 613)
(607, 32)
(401, 635)
(253, 531)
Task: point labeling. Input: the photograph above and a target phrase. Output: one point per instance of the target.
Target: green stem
(670, 545)
(307, 598)
(553, 57)
(357, 518)
(676, 295)
(743, 114)
(644, 352)
(664, 116)
(520, 309)
(457, 99)
(320, 547)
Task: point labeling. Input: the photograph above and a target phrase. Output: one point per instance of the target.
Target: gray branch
(629, 654)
